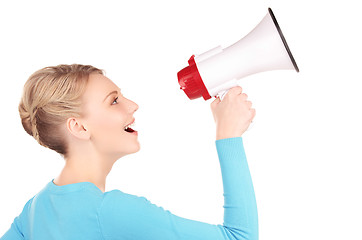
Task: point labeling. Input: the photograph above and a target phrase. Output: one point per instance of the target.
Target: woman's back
(83, 211)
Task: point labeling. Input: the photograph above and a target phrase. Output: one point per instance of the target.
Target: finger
(236, 90)
(244, 96)
(253, 113)
(249, 104)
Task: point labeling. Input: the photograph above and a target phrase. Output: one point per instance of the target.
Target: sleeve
(125, 216)
(16, 231)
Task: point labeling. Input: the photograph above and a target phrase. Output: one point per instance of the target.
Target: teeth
(131, 125)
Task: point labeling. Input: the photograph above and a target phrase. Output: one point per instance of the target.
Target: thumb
(215, 102)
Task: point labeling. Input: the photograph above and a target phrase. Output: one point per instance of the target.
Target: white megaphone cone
(217, 70)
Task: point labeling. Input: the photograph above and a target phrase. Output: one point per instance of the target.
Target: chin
(136, 149)
(130, 150)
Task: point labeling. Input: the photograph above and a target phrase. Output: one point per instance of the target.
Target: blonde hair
(51, 95)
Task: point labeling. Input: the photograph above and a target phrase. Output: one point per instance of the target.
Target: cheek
(107, 124)
(107, 128)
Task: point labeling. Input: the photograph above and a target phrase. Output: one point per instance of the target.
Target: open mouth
(129, 129)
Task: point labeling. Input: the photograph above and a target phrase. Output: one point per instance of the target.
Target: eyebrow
(109, 94)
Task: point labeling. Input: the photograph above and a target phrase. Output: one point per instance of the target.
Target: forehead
(98, 87)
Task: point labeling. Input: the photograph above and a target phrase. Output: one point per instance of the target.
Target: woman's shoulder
(118, 202)
(118, 197)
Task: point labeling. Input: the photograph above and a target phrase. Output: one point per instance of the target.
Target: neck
(89, 167)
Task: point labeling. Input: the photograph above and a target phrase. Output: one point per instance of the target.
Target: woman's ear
(77, 129)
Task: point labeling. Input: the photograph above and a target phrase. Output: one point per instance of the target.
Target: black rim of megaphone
(283, 39)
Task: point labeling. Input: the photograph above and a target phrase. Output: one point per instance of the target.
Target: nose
(132, 106)
(135, 106)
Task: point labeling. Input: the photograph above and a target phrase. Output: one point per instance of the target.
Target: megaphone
(217, 70)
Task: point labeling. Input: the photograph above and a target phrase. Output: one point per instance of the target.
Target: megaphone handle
(222, 94)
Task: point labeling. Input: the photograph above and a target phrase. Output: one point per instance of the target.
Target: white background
(304, 150)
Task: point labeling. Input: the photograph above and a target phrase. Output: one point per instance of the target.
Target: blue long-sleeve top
(82, 211)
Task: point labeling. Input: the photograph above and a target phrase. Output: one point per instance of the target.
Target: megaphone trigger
(222, 94)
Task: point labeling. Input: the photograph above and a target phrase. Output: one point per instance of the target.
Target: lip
(135, 132)
(130, 122)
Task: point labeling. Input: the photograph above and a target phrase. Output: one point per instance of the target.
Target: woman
(81, 114)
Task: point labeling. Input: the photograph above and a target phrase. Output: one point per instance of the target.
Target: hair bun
(25, 119)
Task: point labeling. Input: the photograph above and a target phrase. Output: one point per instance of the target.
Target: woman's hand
(233, 114)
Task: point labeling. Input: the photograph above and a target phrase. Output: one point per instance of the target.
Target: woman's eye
(115, 101)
